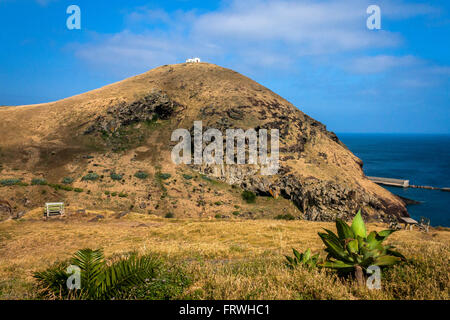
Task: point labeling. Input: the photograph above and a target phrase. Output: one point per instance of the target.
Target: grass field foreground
(225, 259)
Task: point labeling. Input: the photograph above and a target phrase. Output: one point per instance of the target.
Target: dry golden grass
(227, 259)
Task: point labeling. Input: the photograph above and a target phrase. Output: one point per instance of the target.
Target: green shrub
(67, 180)
(248, 196)
(107, 193)
(218, 216)
(92, 176)
(141, 175)
(286, 216)
(114, 194)
(236, 213)
(66, 188)
(164, 176)
(79, 190)
(54, 186)
(218, 203)
(187, 176)
(123, 195)
(38, 182)
(116, 176)
(10, 182)
(169, 215)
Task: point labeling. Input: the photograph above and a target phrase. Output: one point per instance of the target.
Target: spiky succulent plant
(352, 250)
(302, 259)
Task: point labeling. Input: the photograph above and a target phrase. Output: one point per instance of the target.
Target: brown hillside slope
(126, 127)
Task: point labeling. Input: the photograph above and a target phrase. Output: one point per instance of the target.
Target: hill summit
(110, 148)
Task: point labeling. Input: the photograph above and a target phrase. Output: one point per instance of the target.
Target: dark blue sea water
(422, 159)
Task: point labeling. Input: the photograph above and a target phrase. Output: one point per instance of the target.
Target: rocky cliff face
(155, 105)
(127, 125)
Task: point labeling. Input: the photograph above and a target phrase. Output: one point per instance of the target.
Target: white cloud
(131, 50)
(401, 10)
(44, 2)
(309, 27)
(269, 34)
(382, 63)
(145, 15)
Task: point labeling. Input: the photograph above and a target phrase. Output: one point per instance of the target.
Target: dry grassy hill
(110, 134)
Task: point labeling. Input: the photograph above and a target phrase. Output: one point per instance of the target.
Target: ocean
(422, 159)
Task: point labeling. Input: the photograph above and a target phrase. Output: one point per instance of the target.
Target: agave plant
(98, 279)
(302, 259)
(352, 250)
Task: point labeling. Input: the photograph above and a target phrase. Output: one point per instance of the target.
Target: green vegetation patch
(164, 176)
(170, 284)
(206, 178)
(129, 136)
(60, 187)
(248, 196)
(38, 182)
(130, 276)
(116, 176)
(92, 176)
(141, 175)
(10, 182)
(67, 180)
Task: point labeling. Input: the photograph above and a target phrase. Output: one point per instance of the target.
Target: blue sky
(317, 54)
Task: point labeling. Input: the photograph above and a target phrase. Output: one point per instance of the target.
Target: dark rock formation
(155, 105)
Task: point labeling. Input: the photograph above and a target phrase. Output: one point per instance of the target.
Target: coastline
(410, 157)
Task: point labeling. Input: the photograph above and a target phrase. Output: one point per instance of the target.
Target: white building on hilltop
(194, 60)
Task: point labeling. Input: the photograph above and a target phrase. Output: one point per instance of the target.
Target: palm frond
(92, 265)
(53, 280)
(127, 273)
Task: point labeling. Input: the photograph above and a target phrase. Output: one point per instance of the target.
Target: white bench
(54, 209)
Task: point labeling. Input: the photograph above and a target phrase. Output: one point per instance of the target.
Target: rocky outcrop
(325, 200)
(318, 200)
(155, 105)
